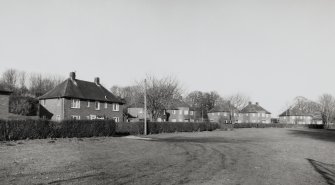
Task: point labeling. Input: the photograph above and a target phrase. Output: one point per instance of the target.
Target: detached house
(226, 112)
(4, 104)
(254, 113)
(78, 99)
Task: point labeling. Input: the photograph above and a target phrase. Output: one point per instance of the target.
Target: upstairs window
(97, 105)
(116, 107)
(180, 112)
(88, 103)
(106, 105)
(191, 112)
(173, 111)
(186, 112)
(75, 103)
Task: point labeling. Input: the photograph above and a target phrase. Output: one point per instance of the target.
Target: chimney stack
(72, 75)
(97, 80)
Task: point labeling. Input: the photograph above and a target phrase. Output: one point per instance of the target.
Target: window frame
(95, 105)
(75, 103)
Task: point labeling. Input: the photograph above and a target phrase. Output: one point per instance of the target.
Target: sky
(269, 50)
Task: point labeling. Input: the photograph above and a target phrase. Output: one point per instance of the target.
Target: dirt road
(242, 156)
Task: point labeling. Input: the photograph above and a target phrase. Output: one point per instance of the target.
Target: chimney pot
(97, 80)
(72, 75)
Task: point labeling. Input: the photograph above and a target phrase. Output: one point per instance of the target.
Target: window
(75, 117)
(106, 105)
(180, 120)
(218, 113)
(173, 111)
(180, 112)
(43, 102)
(75, 103)
(263, 114)
(224, 114)
(116, 119)
(253, 114)
(174, 120)
(97, 105)
(140, 111)
(191, 112)
(213, 114)
(88, 103)
(186, 112)
(92, 117)
(116, 107)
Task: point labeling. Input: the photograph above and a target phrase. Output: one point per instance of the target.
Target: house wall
(4, 106)
(260, 117)
(138, 113)
(215, 116)
(182, 115)
(85, 112)
(52, 108)
(296, 119)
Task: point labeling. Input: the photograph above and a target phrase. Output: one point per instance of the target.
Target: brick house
(295, 116)
(226, 113)
(78, 99)
(254, 113)
(4, 104)
(136, 113)
(179, 111)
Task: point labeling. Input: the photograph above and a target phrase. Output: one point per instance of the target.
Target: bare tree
(327, 108)
(238, 100)
(160, 94)
(9, 79)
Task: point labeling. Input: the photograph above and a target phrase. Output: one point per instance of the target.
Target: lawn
(242, 156)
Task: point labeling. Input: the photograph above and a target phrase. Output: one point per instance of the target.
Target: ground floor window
(75, 117)
(93, 117)
(116, 119)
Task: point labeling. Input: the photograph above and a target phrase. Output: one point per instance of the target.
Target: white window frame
(116, 107)
(75, 117)
(180, 112)
(95, 105)
(185, 112)
(116, 119)
(75, 103)
(93, 117)
(43, 102)
(173, 111)
(106, 105)
(191, 113)
(88, 103)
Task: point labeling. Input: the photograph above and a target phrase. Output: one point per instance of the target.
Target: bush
(274, 125)
(41, 129)
(164, 127)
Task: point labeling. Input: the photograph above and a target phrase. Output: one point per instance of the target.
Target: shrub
(274, 125)
(164, 127)
(40, 129)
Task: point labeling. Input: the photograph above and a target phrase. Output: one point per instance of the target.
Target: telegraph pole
(145, 106)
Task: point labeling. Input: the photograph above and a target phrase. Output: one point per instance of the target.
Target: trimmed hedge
(41, 129)
(137, 128)
(268, 125)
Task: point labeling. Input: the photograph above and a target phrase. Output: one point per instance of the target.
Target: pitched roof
(226, 107)
(295, 112)
(254, 108)
(74, 88)
(176, 104)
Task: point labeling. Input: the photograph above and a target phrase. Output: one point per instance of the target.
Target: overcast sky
(269, 50)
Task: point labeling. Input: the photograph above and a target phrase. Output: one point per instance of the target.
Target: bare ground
(242, 156)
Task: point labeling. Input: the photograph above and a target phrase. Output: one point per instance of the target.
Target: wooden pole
(145, 107)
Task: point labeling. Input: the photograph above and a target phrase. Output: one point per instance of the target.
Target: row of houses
(78, 99)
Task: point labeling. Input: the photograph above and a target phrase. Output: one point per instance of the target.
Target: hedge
(268, 125)
(41, 129)
(137, 128)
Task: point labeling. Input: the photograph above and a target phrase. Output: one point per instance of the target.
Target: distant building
(4, 104)
(179, 111)
(136, 113)
(226, 113)
(78, 99)
(296, 116)
(254, 113)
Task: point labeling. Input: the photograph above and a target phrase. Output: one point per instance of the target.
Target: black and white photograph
(167, 92)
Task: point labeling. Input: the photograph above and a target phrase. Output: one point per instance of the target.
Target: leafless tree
(9, 79)
(39, 85)
(238, 100)
(327, 108)
(160, 93)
